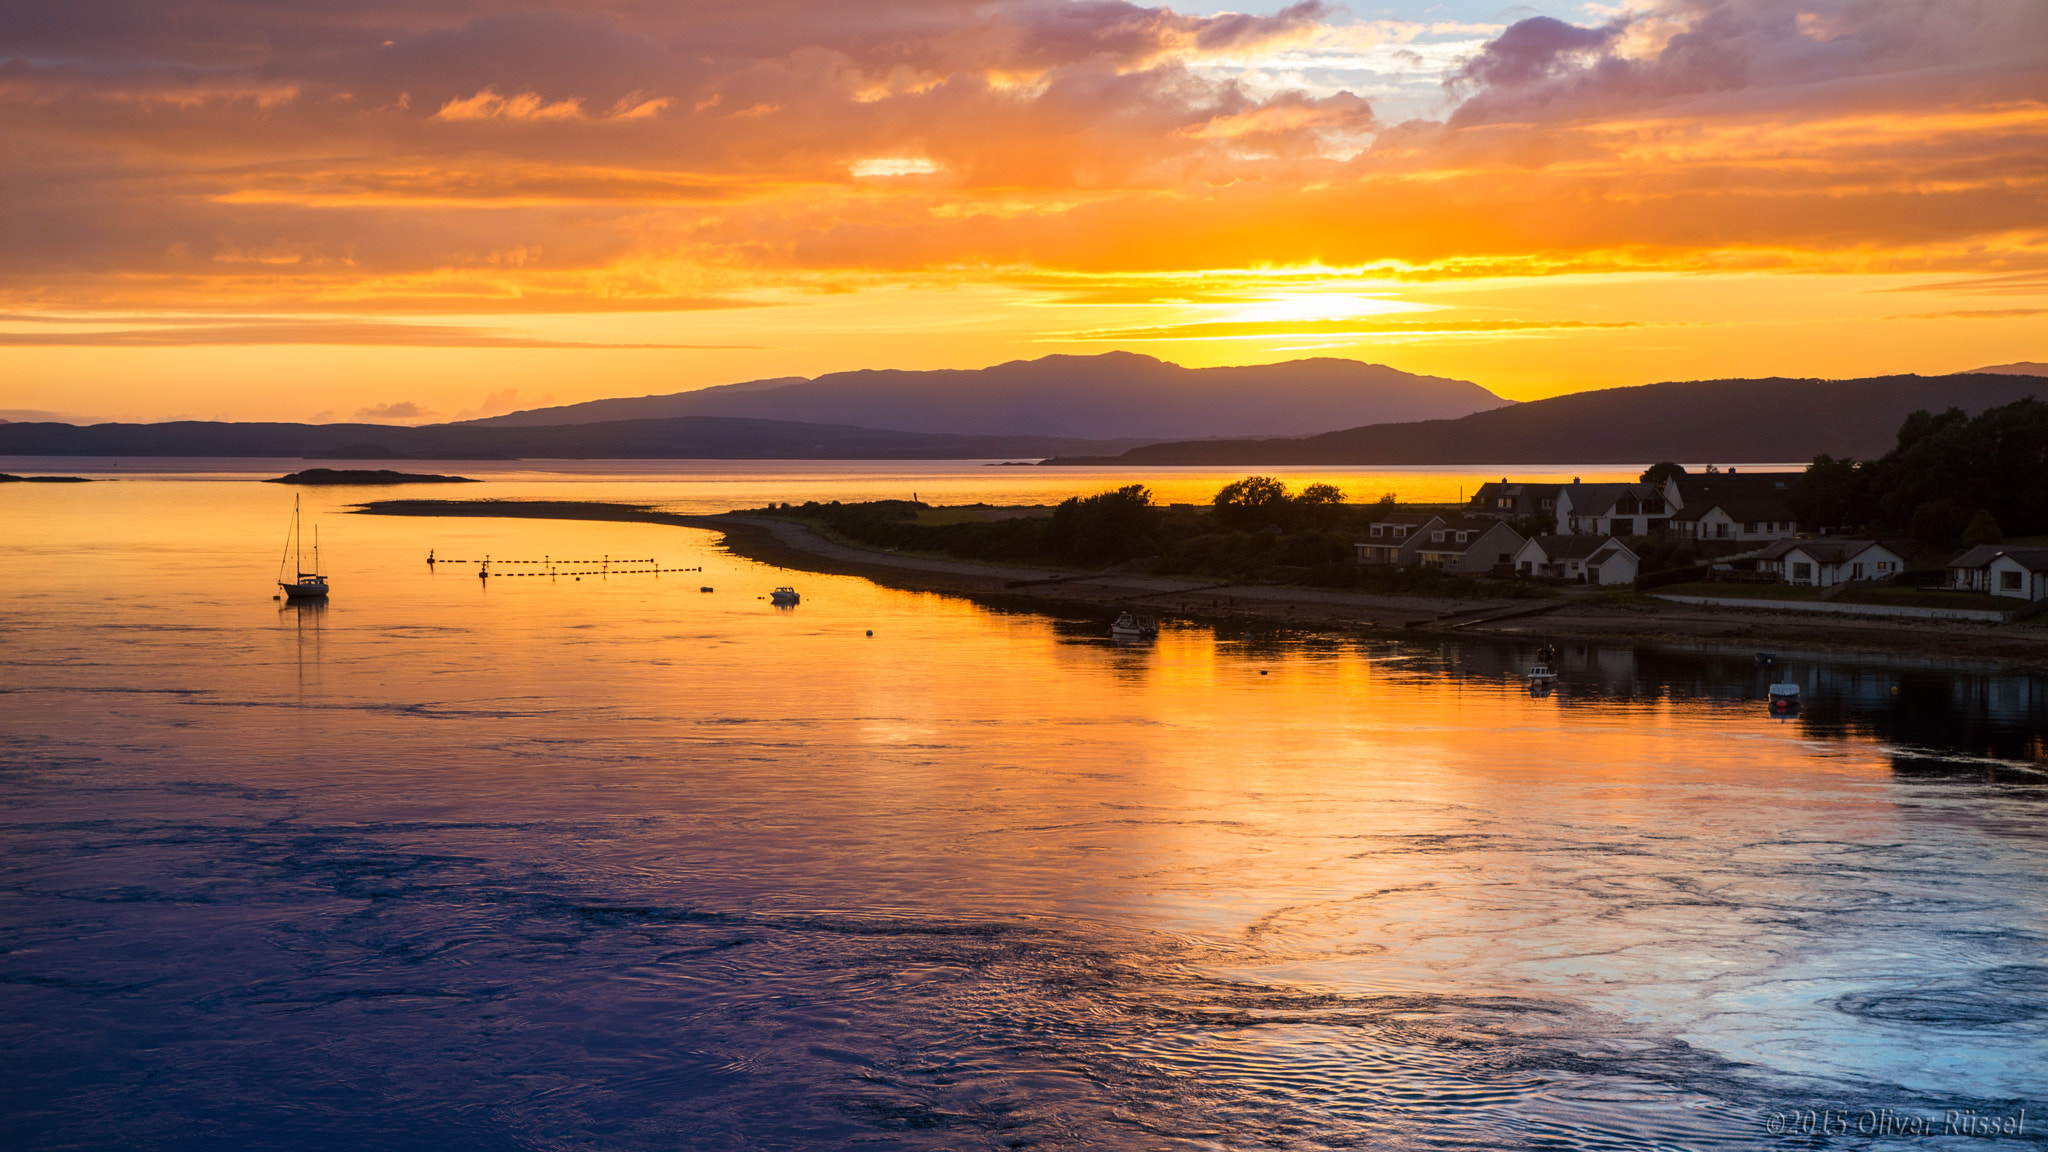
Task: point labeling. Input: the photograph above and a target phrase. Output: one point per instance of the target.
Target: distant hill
(694, 437)
(2023, 368)
(1692, 421)
(1113, 395)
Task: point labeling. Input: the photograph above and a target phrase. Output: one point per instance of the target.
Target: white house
(1588, 559)
(1394, 538)
(1827, 561)
(1611, 509)
(1734, 520)
(1474, 546)
(2021, 573)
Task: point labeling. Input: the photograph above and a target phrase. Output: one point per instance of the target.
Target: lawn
(1895, 597)
(1743, 591)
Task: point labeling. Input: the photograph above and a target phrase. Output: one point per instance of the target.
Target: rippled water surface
(618, 863)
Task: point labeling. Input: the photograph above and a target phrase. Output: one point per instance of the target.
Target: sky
(442, 209)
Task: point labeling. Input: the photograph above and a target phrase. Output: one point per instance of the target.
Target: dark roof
(1694, 487)
(1408, 518)
(1741, 511)
(1495, 489)
(1576, 547)
(1606, 554)
(1826, 549)
(2032, 559)
(1475, 529)
(1597, 498)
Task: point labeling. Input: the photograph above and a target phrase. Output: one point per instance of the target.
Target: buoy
(871, 631)
(280, 598)
(1262, 671)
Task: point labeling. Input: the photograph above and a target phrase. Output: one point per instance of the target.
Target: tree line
(1952, 479)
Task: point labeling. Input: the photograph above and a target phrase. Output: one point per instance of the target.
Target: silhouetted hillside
(1113, 395)
(1695, 420)
(696, 437)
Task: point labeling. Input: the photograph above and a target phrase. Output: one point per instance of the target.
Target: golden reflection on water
(1324, 811)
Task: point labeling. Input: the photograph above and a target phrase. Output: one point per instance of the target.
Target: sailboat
(309, 585)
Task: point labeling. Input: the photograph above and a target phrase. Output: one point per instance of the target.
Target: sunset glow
(265, 212)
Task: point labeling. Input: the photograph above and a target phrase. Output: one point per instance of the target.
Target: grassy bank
(1312, 547)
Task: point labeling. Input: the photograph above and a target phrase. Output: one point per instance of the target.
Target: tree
(1106, 526)
(1996, 460)
(1832, 494)
(1315, 498)
(1253, 503)
(1940, 522)
(1983, 529)
(1661, 471)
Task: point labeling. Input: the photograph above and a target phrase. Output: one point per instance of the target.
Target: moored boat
(784, 595)
(306, 585)
(1132, 626)
(1784, 697)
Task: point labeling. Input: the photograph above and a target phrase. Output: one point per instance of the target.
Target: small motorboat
(307, 585)
(1131, 626)
(1540, 673)
(784, 596)
(1784, 697)
(1766, 659)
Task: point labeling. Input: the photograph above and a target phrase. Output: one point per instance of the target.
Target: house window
(2009, 581)
(1749, 527)
(1462, 536)
(1379, 530)
(1436, 537)
(1549, 504)
(1802, 571)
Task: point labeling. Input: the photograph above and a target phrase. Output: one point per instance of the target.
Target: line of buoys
(594, 572)
(431, 559)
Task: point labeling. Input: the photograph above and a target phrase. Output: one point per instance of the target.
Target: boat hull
(304, 591)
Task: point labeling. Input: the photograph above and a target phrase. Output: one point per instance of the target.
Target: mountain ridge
(1103, 396)
(688, 437)
(1739, 420)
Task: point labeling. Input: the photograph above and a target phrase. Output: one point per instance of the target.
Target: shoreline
(1586, 617)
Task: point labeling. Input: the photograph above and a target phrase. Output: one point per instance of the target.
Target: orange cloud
(481, 157)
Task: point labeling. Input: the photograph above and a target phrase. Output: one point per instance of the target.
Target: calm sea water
(618, 863)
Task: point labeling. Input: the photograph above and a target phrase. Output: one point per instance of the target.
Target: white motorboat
(306, 585)
(1131, 626)
(1540, 673)
(785, 596)
(1784, 697)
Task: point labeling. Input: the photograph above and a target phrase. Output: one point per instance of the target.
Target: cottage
(1611, 510)
(1828, 561)
(1393, 539)
(1734, 520)
(1513, 499)
(1474, 546)
(2021, 573)
(1586, 559)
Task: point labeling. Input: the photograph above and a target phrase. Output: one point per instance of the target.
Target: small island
(5, 478)
(365, 477)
